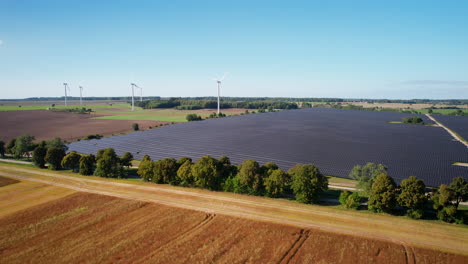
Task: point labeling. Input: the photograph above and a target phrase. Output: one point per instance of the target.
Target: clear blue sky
(350, 49)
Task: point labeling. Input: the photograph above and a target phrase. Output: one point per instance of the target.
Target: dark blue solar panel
(459, 124)
(335, 140)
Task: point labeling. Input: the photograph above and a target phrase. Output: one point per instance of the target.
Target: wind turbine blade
(224, 76)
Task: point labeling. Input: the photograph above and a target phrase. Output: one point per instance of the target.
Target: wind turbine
(65, 85)
(141, 94)
(133, 95)
(81, 95)
(219, 86)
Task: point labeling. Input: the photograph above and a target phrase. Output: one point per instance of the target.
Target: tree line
(384, 195)
(194, 104)
(303, 181)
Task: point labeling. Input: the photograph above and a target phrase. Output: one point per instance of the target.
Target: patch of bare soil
(45, 125)
(4, 181)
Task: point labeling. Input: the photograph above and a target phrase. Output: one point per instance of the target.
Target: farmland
(332, 139)
(93, 220)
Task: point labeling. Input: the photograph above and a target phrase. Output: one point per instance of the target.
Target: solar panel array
(333, 139)
(459, 124)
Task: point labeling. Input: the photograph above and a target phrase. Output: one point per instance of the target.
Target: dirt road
(396, 229)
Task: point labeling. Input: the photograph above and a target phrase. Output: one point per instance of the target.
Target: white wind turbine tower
(141, 94)
(81, 95)
(65, 86)
(219, 86)
(133, 95)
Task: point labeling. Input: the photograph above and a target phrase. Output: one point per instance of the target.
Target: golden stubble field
(42, 223)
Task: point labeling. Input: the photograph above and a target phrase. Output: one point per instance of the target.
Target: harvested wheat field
(74, 227)
(7, 181)
(45, 125)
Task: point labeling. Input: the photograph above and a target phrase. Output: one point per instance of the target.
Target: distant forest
(287, 99)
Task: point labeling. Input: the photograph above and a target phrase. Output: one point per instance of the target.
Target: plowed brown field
(93, 228)
(45, 125)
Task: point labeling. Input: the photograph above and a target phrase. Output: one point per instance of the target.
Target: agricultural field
(421, 107)
(63, 219)
(45, 125)
(332, 139)
(108, 118)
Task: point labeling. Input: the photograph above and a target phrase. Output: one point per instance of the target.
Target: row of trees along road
(412, 195)
(305, 182)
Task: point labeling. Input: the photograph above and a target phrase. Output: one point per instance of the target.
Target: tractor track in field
(295, 247)
(184, 235)
(255, 208)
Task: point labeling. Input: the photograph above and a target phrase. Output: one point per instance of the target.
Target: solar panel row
(333, 139)
(458, 124)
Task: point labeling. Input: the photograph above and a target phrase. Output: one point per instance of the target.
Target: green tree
(182, 160)
(39, 155)
(57, 143)
(205, 172)
(413, 120)
(146, 168)
(382, 196)
(23, 145)
(250, 177)
(267, 168)
(442, 198)
(307, 182)
(184, 173)
(412, 196)
(108, 165)
(276, 183)
(226, 169)
(165, 171)
(365, 175)
(54, 158)
(126, 159)
(2, 149)
(71, 161)
(10, 146)
(193, 117)
(87, 164)
(353, 201)
(459, 188)
(344, 196)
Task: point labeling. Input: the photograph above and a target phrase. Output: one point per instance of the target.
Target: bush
(415, 213)
(95, 136)
(135, 127)
(10, 146)
(71, 161)
(307, 182)
(353, 201)
(413, 120)
(193, 117)
(54, 158)
(344, 196)
(382, 194)
(87, 164)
